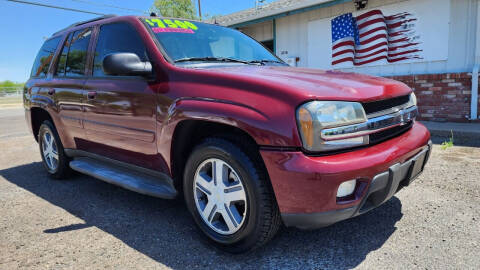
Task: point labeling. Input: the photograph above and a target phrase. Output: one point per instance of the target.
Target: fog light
(346, 188)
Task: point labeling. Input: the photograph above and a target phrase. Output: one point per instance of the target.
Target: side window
(44, 58)
(77, 53)
(62, 60)
(114, 38)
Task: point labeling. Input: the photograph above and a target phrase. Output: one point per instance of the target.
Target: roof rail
(85, 22)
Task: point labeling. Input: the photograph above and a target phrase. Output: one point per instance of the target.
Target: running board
(161, 187)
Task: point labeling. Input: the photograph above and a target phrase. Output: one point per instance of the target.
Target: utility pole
(257, 3)
(199, 10)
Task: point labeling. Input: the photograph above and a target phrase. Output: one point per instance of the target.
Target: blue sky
(23, 28)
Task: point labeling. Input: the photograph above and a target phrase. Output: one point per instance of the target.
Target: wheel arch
(191, 121)
(38, 116)
(183, 142)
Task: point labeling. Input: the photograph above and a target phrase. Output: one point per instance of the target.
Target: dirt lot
(85, 223)
(14, 101)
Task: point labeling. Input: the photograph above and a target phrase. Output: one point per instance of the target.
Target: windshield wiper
(263, 61)
(211, 59)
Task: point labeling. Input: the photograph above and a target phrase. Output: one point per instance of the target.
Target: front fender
(267, 130)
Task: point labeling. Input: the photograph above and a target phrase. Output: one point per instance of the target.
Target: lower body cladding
(306, 187)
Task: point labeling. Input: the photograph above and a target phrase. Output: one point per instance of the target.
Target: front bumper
(305, 187)
(382, 187)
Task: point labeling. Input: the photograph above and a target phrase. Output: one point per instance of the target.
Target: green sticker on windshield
(169, 26)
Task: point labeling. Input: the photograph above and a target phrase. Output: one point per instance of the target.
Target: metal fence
(10, 96)
(12, 92)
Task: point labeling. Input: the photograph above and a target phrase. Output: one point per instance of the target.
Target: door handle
(51, 91)
(91, 94)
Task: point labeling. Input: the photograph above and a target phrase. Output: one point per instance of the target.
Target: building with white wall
(432, 45)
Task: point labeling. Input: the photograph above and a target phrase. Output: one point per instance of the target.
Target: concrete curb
(445, 128)
(467, 134)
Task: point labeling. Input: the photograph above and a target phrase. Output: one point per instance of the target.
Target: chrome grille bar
(375, 124)
(387, 111)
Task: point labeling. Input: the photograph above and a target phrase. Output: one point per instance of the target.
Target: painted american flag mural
(372, 37)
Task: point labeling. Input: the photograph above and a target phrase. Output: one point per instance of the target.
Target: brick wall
(441, 97)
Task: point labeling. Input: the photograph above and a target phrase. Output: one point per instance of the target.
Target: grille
(389, 133)
(381, 105)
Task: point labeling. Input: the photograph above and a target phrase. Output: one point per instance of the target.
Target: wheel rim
(220, 196)
(49, 151)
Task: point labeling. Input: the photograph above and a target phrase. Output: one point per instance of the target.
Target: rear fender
(39, 98)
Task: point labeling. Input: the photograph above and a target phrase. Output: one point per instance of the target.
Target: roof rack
(85, 22)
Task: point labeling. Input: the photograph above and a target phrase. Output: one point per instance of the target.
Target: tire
(54, 159)
(257, 220)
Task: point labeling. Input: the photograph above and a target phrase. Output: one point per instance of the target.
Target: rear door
(120, 111)
(67, 84)
(38, 84)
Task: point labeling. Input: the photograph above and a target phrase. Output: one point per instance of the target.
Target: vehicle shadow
(163, 229)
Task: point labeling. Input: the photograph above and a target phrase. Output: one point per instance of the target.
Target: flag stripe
(371, 31)
(382, 50)
(348, 59)
(344, 43)
(374, 38)
(370, 13)
(343, 52)
(376, 46)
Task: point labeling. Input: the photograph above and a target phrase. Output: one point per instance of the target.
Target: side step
(161, 187)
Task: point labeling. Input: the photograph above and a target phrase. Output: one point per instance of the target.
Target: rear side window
(62, 60)
(73, 58)
(44, 58)
(115, 38)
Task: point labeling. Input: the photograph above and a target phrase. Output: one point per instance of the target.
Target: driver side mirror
(126, 64)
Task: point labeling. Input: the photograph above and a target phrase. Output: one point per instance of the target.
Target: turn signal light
(306, 125)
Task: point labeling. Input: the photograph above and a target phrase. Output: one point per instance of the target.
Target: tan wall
(261, 31)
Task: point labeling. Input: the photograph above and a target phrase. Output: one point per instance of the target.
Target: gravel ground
(85, 223)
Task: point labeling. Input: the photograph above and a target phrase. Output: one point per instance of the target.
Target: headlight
(314, 116)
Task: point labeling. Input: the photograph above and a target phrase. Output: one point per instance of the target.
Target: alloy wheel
(50, 151)
(220, 196)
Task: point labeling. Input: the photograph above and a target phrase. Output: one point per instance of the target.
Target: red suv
(169, 106)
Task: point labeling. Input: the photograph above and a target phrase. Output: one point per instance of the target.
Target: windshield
(186, 41)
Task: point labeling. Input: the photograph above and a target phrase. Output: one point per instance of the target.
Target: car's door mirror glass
(125, 64)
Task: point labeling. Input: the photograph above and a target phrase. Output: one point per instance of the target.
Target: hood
(320, 84)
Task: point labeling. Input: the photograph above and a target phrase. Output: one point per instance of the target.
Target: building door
(268, 44)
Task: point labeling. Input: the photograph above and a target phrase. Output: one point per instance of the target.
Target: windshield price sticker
(171, 26)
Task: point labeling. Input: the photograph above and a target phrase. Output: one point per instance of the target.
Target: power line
(109, 6)
(56, 7)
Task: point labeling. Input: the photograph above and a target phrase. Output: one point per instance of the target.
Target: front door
(120, 111)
